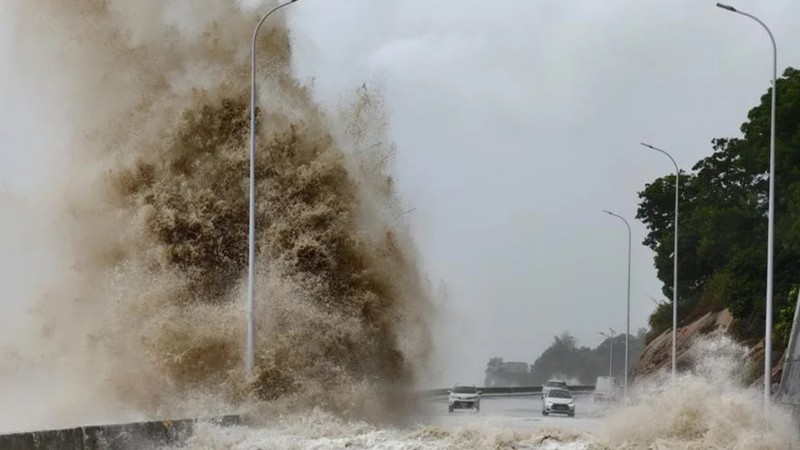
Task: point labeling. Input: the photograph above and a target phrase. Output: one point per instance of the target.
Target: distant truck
(605, 389)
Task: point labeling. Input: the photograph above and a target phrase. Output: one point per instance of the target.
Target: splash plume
(153, 101)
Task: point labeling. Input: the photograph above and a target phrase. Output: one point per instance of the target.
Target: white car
(464, 397)
(553, 384)
(558, 401)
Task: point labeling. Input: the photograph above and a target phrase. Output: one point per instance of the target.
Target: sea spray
(148, 319)
(708, 407)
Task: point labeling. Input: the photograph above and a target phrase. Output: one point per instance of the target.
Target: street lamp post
(771, 212)
(628, 317)
(250, 353)
(611, 352)
(675, 264)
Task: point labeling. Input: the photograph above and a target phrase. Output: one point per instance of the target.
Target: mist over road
(503, 422)
(518, 412)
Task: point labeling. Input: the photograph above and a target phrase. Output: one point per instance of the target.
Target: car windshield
(465, 390)
(556, 384)
(559, 393)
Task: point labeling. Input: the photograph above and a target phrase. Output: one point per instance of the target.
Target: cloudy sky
(516, 123)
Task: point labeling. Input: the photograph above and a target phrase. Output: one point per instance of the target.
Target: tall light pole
(771, 212)
(628, 317)
(250, 354)
(611, 352)
(674, 263)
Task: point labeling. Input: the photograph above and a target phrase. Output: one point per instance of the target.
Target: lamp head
(726, 7)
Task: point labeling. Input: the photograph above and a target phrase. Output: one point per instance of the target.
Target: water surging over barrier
(152, 98)
(707, 409)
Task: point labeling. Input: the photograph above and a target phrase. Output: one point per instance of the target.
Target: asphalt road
(515, 412)
(503, 422)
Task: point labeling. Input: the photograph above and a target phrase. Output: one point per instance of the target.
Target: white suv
(464, 397)
(558, 401)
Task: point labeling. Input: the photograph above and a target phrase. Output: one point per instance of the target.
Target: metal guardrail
(504, 390)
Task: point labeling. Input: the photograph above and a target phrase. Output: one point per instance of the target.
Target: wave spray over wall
(707, 409)
(148, 317)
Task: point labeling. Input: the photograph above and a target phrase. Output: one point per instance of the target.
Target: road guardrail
(505, 390)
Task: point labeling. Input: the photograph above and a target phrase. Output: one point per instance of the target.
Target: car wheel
(572, 414)
(544, 413)
(450, 409)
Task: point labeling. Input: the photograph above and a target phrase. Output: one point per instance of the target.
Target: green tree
(494, 369)
(783, 326)
(723, 219)
(564, 358)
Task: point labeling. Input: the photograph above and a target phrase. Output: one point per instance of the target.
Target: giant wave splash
(145, 317)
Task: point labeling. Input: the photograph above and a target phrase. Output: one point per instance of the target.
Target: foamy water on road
(708, 408)
(517, 423)
(501, 423)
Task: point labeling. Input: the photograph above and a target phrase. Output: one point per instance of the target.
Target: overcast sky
(516, 123)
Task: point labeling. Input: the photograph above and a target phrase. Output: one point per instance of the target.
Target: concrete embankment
(129, 436)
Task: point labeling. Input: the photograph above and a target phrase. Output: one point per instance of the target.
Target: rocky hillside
(657, 355)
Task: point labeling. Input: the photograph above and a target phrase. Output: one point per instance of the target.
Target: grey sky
(516, 122)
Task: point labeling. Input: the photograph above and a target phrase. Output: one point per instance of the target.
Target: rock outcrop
(756, 355)
(658, 353)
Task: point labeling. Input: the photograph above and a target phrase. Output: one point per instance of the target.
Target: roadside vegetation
(565, 360)
(723, 224)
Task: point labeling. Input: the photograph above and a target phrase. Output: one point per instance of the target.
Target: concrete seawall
(129, 436)
(151, 435)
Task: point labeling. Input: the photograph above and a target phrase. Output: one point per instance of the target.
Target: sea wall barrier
(128, 436)
(149, 435)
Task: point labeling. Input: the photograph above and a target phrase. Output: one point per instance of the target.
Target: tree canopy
(565, 359)
(723, 226)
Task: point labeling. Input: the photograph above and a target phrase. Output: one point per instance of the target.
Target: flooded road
(503, 422)
(519, 413)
